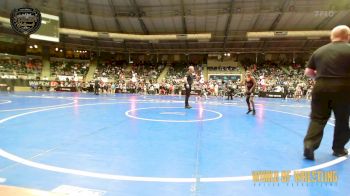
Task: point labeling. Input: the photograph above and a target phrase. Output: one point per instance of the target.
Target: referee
(330, 65)
(188, 85)
(97, 87)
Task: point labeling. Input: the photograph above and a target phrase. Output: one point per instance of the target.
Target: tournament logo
(25, 20)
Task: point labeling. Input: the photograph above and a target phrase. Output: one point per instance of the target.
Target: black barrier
(66, 89)
(193, 92)
(9, 83)
(271, 94)
(14, 82)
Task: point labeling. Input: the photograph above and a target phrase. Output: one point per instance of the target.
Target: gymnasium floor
(150, 145)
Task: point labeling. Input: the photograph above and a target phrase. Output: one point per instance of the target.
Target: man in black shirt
(188, 84)
(330, 65)
(97, 87)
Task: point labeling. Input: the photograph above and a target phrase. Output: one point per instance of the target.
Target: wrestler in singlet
(250, 85)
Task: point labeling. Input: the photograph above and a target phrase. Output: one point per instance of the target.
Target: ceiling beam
(96, 46)
(200, 9)
(325, 21)
(62, 24)
(228, 23)
(90, 15)
(140, 14)
(282, 9)
(306, 43)
(183, 13)
(61, 14)
(116, 21)
(258, 16)
(322, 24)
(207, 49)
(115, 16)
(184, 24)
(274, 24)
(256, 20)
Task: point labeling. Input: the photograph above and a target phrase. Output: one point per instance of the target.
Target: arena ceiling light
(123, 36)
(287, 34)
(4, 20)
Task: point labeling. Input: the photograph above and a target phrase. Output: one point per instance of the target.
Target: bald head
(191, 69)
(340, 33)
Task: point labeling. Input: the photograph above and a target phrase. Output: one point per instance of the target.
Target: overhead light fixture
(61, 50)
(35, 46)
(56, 49)
(30, 47)
(253, 39)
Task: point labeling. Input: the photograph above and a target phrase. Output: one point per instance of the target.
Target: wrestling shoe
(340, 153)
(309, 154)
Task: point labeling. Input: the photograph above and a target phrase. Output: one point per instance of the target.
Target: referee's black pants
(329, 95)
(187, 93)
(97, 90)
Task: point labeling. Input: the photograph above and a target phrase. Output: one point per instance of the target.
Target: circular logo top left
(25, 20)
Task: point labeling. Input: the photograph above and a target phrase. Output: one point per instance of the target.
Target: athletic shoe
(249, 111)
(340, 153)
(253, 112)
(188, 107)
(309, 154)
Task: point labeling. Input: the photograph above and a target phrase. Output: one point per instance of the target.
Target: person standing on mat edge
(97, 87)
(190, 76)
(330, 66)
(250, 85)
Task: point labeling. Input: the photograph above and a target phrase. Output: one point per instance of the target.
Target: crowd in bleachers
(111, 69)
(270, 77)
(116, 76)
(69, 68)
(117, 70)
(286, 79)
(20, 68)
(142, 77)
(148, 70)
